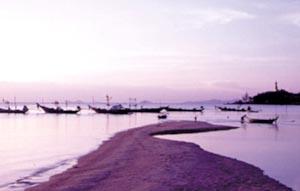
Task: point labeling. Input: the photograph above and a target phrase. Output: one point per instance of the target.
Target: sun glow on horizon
(167, 44)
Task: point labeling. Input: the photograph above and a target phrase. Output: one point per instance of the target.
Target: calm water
(35, 146)
(273, 148)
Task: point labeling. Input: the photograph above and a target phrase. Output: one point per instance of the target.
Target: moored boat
(170, 109)
(58, 110)
(248, 109)
(116, 109)
(259, 120)
(16, 111)
(201, 109)
(163, 114)
(149, 110)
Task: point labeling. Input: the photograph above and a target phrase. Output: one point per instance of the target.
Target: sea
(36, 145)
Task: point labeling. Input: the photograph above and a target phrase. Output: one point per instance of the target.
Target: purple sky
(159, 50)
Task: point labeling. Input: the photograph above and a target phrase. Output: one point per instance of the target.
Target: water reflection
(37, 145)
(31, 143)
(272, 147)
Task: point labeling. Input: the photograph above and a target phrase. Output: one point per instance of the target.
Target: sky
(170, 50)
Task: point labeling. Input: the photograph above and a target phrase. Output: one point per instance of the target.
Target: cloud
(292, 18)
(200, 18)
(260, 5)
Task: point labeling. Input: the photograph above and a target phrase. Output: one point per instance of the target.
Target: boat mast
(135, 102)
(129, 103)
(132, 102)
(15, 102)
(56, 103)
(6, 102)
(108, 98)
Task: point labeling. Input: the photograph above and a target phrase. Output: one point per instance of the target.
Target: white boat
(163, 114)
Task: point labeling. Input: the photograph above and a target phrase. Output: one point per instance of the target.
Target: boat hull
(266, 121)
(106, 111)
(57, 111)
(225, 109)
(10, 111)
(162, 117)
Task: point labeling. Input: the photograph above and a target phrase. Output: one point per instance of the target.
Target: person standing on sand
(243, 118)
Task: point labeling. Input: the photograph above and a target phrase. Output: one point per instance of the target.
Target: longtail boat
(16, 111)
(149, 110)
(259, 120)
(58, 110)
(170, 109)
(116, 109)
(248, 109)
(201, 109)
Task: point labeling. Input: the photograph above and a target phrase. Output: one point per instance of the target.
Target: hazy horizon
(152, 50)
(49, 92)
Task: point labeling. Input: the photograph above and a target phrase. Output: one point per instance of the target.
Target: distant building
(246, 98)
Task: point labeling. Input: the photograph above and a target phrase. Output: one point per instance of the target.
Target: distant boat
(201, 109)
(149, 110)
(248, 109)
(116, 109)
(16, 111)
(259, 120)
(163, 114)
(170, 109)
(58, 110)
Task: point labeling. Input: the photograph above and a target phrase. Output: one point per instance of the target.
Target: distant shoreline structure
(277, 97)
(144, 102)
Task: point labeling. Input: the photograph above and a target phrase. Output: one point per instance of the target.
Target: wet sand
(135, 160)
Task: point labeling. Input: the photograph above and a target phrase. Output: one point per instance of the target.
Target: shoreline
(136, 160)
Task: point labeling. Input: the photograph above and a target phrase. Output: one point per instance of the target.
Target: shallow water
(35, 146)
(273, 148)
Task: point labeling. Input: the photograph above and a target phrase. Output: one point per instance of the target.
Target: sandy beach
(136, 160)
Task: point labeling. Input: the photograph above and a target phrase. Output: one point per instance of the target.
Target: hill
(276, 97)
